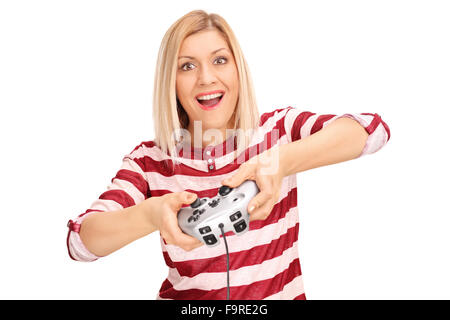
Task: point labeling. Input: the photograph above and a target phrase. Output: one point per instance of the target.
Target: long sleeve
(300, 124)
(128, 187)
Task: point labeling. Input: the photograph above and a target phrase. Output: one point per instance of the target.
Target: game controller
(205, 217)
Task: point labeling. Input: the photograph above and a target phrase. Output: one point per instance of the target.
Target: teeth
(210, 96)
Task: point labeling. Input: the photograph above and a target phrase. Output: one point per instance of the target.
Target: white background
(76, 85)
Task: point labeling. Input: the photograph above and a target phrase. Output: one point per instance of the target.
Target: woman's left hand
(266, 171)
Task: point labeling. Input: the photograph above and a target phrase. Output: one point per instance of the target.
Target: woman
(208, 133)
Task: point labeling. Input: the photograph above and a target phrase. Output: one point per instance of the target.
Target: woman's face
(206, 68)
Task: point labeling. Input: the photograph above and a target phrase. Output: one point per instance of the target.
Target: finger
(262, 212)
(187, 242)
(183, 241)
(193, 246)
(179, 238)
(179, 198)
(243, 173)
(188, 197)
(259, 200)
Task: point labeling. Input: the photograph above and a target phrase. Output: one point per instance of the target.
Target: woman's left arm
(341, 140)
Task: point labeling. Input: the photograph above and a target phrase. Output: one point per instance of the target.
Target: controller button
(201, 211)
(224, 190)
(210, 239)
(235, 216)
(191, 219)
(196, 203)
(240, 226)
(204, 230)
(195, 212)
(214, 203)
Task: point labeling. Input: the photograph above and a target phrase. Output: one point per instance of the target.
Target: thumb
(238, 178)
(181, 199)
(186, 197)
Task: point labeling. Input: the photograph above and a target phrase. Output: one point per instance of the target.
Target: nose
(206, 75)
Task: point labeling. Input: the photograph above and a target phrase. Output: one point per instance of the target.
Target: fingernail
(251, 209)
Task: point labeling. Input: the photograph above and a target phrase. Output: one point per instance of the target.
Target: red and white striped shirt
(264, 261)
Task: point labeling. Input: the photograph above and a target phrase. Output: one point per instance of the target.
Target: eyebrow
(189, 57)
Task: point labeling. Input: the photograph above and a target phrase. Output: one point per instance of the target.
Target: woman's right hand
(162, 214)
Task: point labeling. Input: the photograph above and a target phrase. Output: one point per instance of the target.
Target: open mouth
(210, 101)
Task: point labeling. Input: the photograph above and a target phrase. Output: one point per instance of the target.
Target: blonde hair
(168, 115)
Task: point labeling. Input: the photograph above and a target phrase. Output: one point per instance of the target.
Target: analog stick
(224, 190)
(196, 203)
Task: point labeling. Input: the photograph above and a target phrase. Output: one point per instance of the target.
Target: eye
(183, 67)
(222, 59)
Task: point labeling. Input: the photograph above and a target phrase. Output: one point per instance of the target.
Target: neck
(204, 138)
(201, 137)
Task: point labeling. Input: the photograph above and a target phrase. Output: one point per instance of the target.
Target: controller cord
(228, 260)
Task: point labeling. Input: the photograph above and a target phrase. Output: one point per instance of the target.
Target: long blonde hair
(168, 115)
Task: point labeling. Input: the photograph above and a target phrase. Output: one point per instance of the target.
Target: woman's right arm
(105, 232)
(101, 233)
(127, 211)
